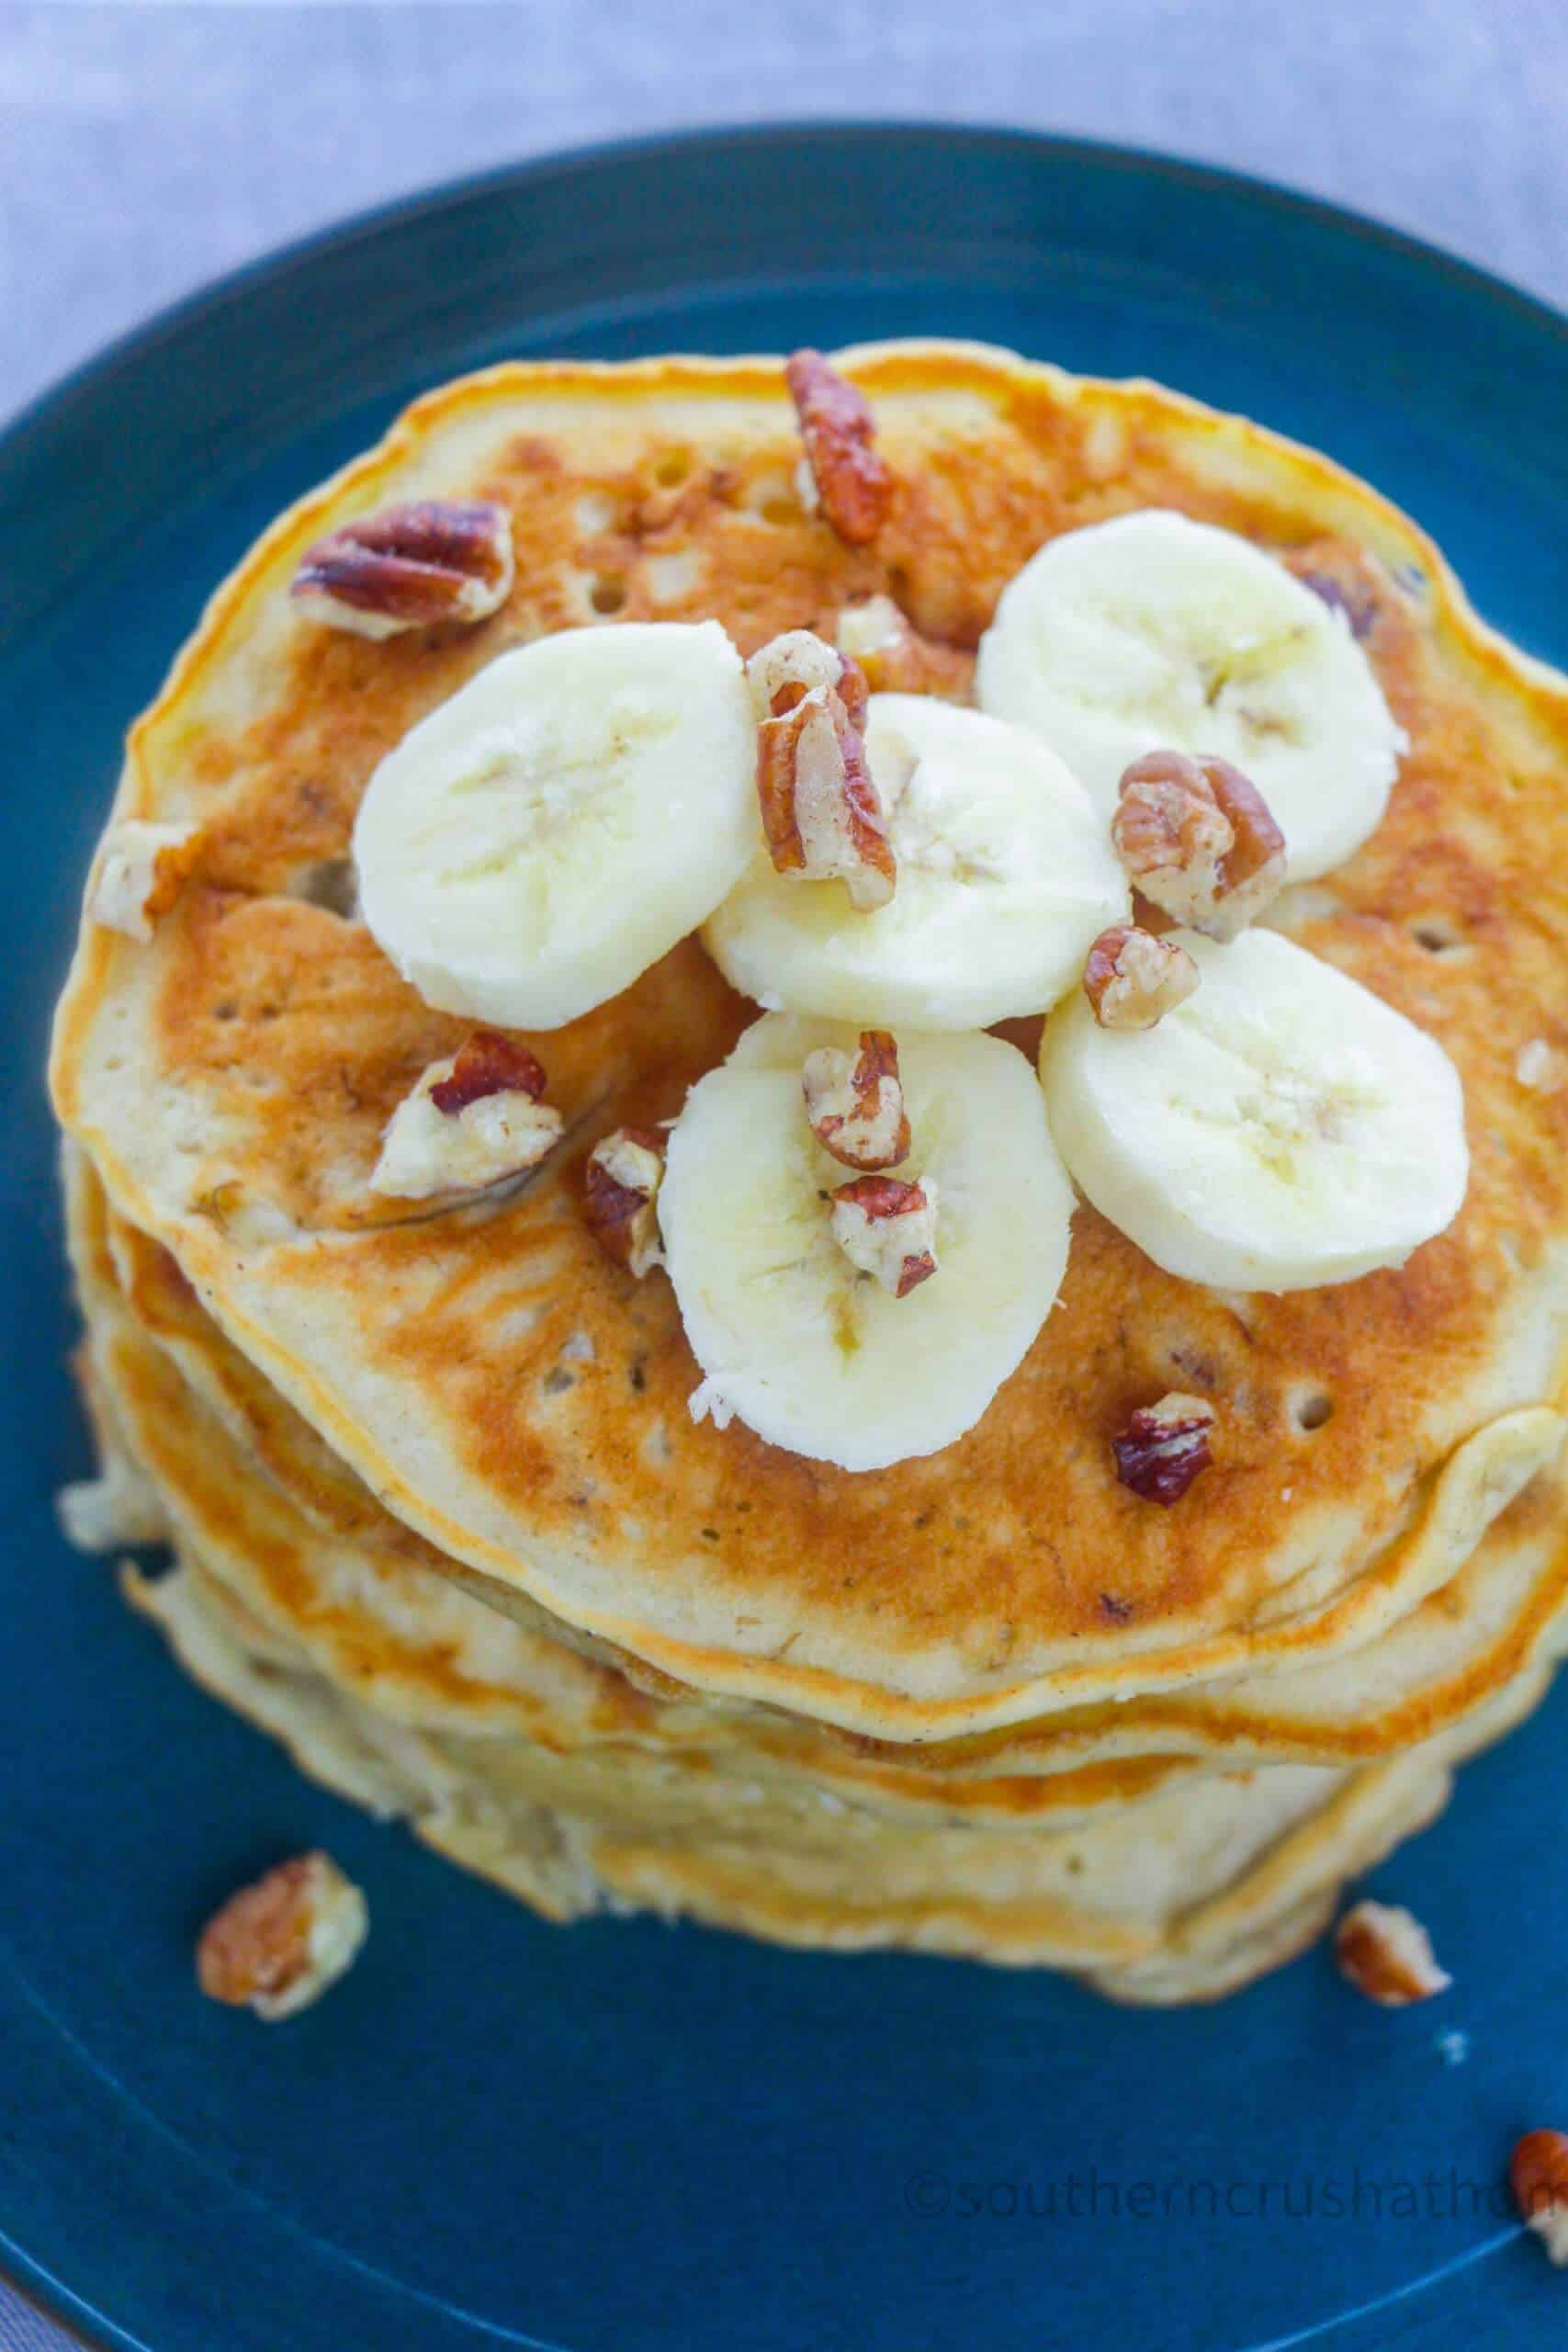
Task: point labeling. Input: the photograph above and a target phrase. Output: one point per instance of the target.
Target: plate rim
(51, 404)
(45, 411)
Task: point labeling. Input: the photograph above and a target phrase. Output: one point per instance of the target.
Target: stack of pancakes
(440, 1517)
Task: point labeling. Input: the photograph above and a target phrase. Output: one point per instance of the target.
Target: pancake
(1177, 1899)
(505, 1394)
(423, 1650)
(519, 1759)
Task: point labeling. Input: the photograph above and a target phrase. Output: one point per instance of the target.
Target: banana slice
(1154, 632)
(1281, 1129)
(557, 826)
(1005, 876)
(807, 1351)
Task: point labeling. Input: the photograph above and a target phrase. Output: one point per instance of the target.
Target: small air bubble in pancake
(770, 498)
(607, 594)
(331, 884)
(1312, 1409)
(1438, 936)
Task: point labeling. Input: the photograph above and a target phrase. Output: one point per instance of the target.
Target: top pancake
(508, 1393)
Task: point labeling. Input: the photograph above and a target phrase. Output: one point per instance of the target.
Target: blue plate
(622, 2136)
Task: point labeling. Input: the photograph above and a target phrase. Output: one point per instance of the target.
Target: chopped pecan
(1360, 610)
(788, 668)
(1132, 979)
(1538, 2174)
(822, 815)
(1197, 839)
(855, 1102)
(621, 1184)
(141, 872)
(488, 1063)
(850, 480)
(1350, 580)
(275, 1947)
(894, 657)
(1164, 1447)
(471, 1122)
(887, 1229)
(409, 567)
(1386, 1953)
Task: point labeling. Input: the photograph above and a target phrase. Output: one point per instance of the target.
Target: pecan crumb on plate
(276, 1945)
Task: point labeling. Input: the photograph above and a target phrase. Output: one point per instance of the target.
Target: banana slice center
(938, 823)
(525, 781)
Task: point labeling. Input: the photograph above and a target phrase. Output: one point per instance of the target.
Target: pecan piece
(621, 1183)
(1359, 609)
(472, 1122)
(1164, 1447)
(788, 668)
(1197, 838)
(1386, 1953)
(893, 656)
(1132, 979)
(887, 1229)
(275, 1947)
(409, 567)
(855, 1102)
(822, 815)
(140, 871)
(488, 1063)
(1350, 580)
(1538, 2174)
(850, 480)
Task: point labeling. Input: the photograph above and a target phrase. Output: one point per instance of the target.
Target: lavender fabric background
(146, 147)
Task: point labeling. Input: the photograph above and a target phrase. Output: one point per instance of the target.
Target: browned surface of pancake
(285, 1550)
(919, 1599)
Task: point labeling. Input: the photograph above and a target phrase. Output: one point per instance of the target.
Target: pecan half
(788, 668)
(822, 815)
(409, 567)
(836, 424)
(1132, 978)
(1197, 838)
(1164, 1447)
(472, 1122)
(140, 871)
(620, 1184)
(1538, 2174)
(1386, 1953)
(275, 1947)
(855, 1102)
(488, 1063)
(887, 1229)
(894, 657)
